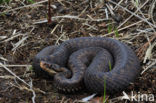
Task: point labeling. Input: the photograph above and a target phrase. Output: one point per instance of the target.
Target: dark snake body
(88, 60)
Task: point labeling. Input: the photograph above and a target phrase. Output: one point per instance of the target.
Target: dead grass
(24, 32)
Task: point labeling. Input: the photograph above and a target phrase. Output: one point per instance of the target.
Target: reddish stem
(49, 12)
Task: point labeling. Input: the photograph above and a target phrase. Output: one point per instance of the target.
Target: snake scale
(88, 62)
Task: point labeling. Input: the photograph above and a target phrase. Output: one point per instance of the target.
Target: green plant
(104, 95)
(135, 2)
(110, 66)
(31, 1)
(116, 32)
(110, 28)
(4, 1)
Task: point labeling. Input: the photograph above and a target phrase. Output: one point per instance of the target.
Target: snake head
(50, 68)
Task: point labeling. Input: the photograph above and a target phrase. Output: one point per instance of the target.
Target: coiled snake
(88, 62)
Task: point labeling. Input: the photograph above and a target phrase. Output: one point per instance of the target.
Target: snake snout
(48, 67)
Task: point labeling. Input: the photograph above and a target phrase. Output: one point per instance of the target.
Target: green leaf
(109, 28)
(31, 1)
(116, 32)
(110, 66)
(4, 1)
(7, 1)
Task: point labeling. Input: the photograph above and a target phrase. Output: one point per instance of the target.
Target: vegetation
(4, 1)
(31, 1)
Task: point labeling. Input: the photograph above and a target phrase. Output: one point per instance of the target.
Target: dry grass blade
(141, 50)
(123, 28)
(143, 16)
(12, 37)
(2, 58)
(148, 67)
(7, 77)
(14, 74)
(145, 20)
(57, 41)
(19, 43)
(34, 94)
(132, 15)
(148, 53)
(118, 4)
(26, 6)
(86, 99)
(151, 10)
(3, 37)
(68, 17)
(15, 65)
(29, 85)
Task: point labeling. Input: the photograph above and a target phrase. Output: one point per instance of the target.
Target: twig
(118, 4)
(3, 37)
(90, 26)
(57, 41)
(11, 38)
(100, 5)
(14, 74)
(132, 15)
(56, 26)
(69, 17)
(32, 5)
(145, 20)
(7, 77)
(34, 94)
(151, 9)
(148, 67)
(144, 47)
(2, 58)
(19, 43)
(62, 101)
(110, 9)
(29, 85)
(148, 53)
(83, 11)
(106, 12)
(124, 27)
(15, 65)
(144, 17)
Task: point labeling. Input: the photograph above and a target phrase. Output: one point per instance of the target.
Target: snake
(94, 63)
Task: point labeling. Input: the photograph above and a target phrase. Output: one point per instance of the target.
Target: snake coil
(89, 62)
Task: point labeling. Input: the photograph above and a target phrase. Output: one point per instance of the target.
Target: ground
(24, 31)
